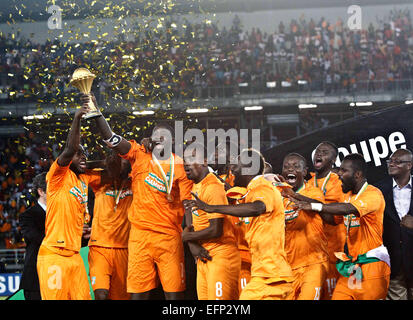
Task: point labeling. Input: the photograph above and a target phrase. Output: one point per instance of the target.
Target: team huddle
(254, 236)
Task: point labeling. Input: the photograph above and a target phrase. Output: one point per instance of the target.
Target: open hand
(199, 204)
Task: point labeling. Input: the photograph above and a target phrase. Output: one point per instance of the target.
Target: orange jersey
(211, 191)
(110, 226)
(364, 232)
(266, 233)
(150, 208)
(66, 207)
(240, 228)
(305, 241)
(331, 188)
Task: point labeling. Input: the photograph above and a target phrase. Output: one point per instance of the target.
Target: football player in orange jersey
(329, 183)
(271, 275)
(108, 253)
(217, 279)
(364, 265)
(305, 241)
(62, 275)
(159, 185)
(224, 173)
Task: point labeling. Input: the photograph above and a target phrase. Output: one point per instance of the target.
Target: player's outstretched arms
(113, 140)
(252, 209)
(73, 138)
(333, 209)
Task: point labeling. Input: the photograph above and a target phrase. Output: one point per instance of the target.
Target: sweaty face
(294, 171)
(79, 161)
(400, 164)
(346, 175)
(324, 156)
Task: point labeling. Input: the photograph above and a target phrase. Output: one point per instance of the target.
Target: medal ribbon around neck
(323, 188)
(168, 184)
(117, 195)
(86, 214)
(363, 188)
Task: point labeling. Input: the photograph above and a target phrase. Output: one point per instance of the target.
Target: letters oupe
(374, 149)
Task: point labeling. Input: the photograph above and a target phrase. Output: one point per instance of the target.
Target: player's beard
(347, 186)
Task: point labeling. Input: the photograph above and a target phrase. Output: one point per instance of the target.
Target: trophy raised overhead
(82, 79)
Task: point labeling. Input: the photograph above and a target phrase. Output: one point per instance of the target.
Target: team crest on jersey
(155, 182)
(355, 221)
(80, 196)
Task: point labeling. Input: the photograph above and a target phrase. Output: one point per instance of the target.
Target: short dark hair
(297, 155)
(332, 145)
(357, 162)
(39, 182)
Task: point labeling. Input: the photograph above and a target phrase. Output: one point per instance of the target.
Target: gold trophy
(82, 79)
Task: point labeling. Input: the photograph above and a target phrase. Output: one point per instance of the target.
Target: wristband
(114, 140)
(316, 206)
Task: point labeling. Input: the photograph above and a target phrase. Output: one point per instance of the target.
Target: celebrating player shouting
(364, 265)
(329, 183)
(305, 242)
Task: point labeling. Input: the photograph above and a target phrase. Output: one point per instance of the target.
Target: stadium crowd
(21, 159)
(300, 54)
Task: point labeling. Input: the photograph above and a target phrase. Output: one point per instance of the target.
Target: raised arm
(73, 138)
(113, 140)
(252, 209)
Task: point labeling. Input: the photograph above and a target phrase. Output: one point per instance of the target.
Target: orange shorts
(218, 279)
(153, 254)
(309, 280)
(62, 276)
(259, 289)
(374, 288)
(331, 281)
(244, 275)
(108, 269)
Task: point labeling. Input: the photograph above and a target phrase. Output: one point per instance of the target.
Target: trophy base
(92, 115)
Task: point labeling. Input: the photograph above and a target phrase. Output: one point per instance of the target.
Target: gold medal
(169, 197)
